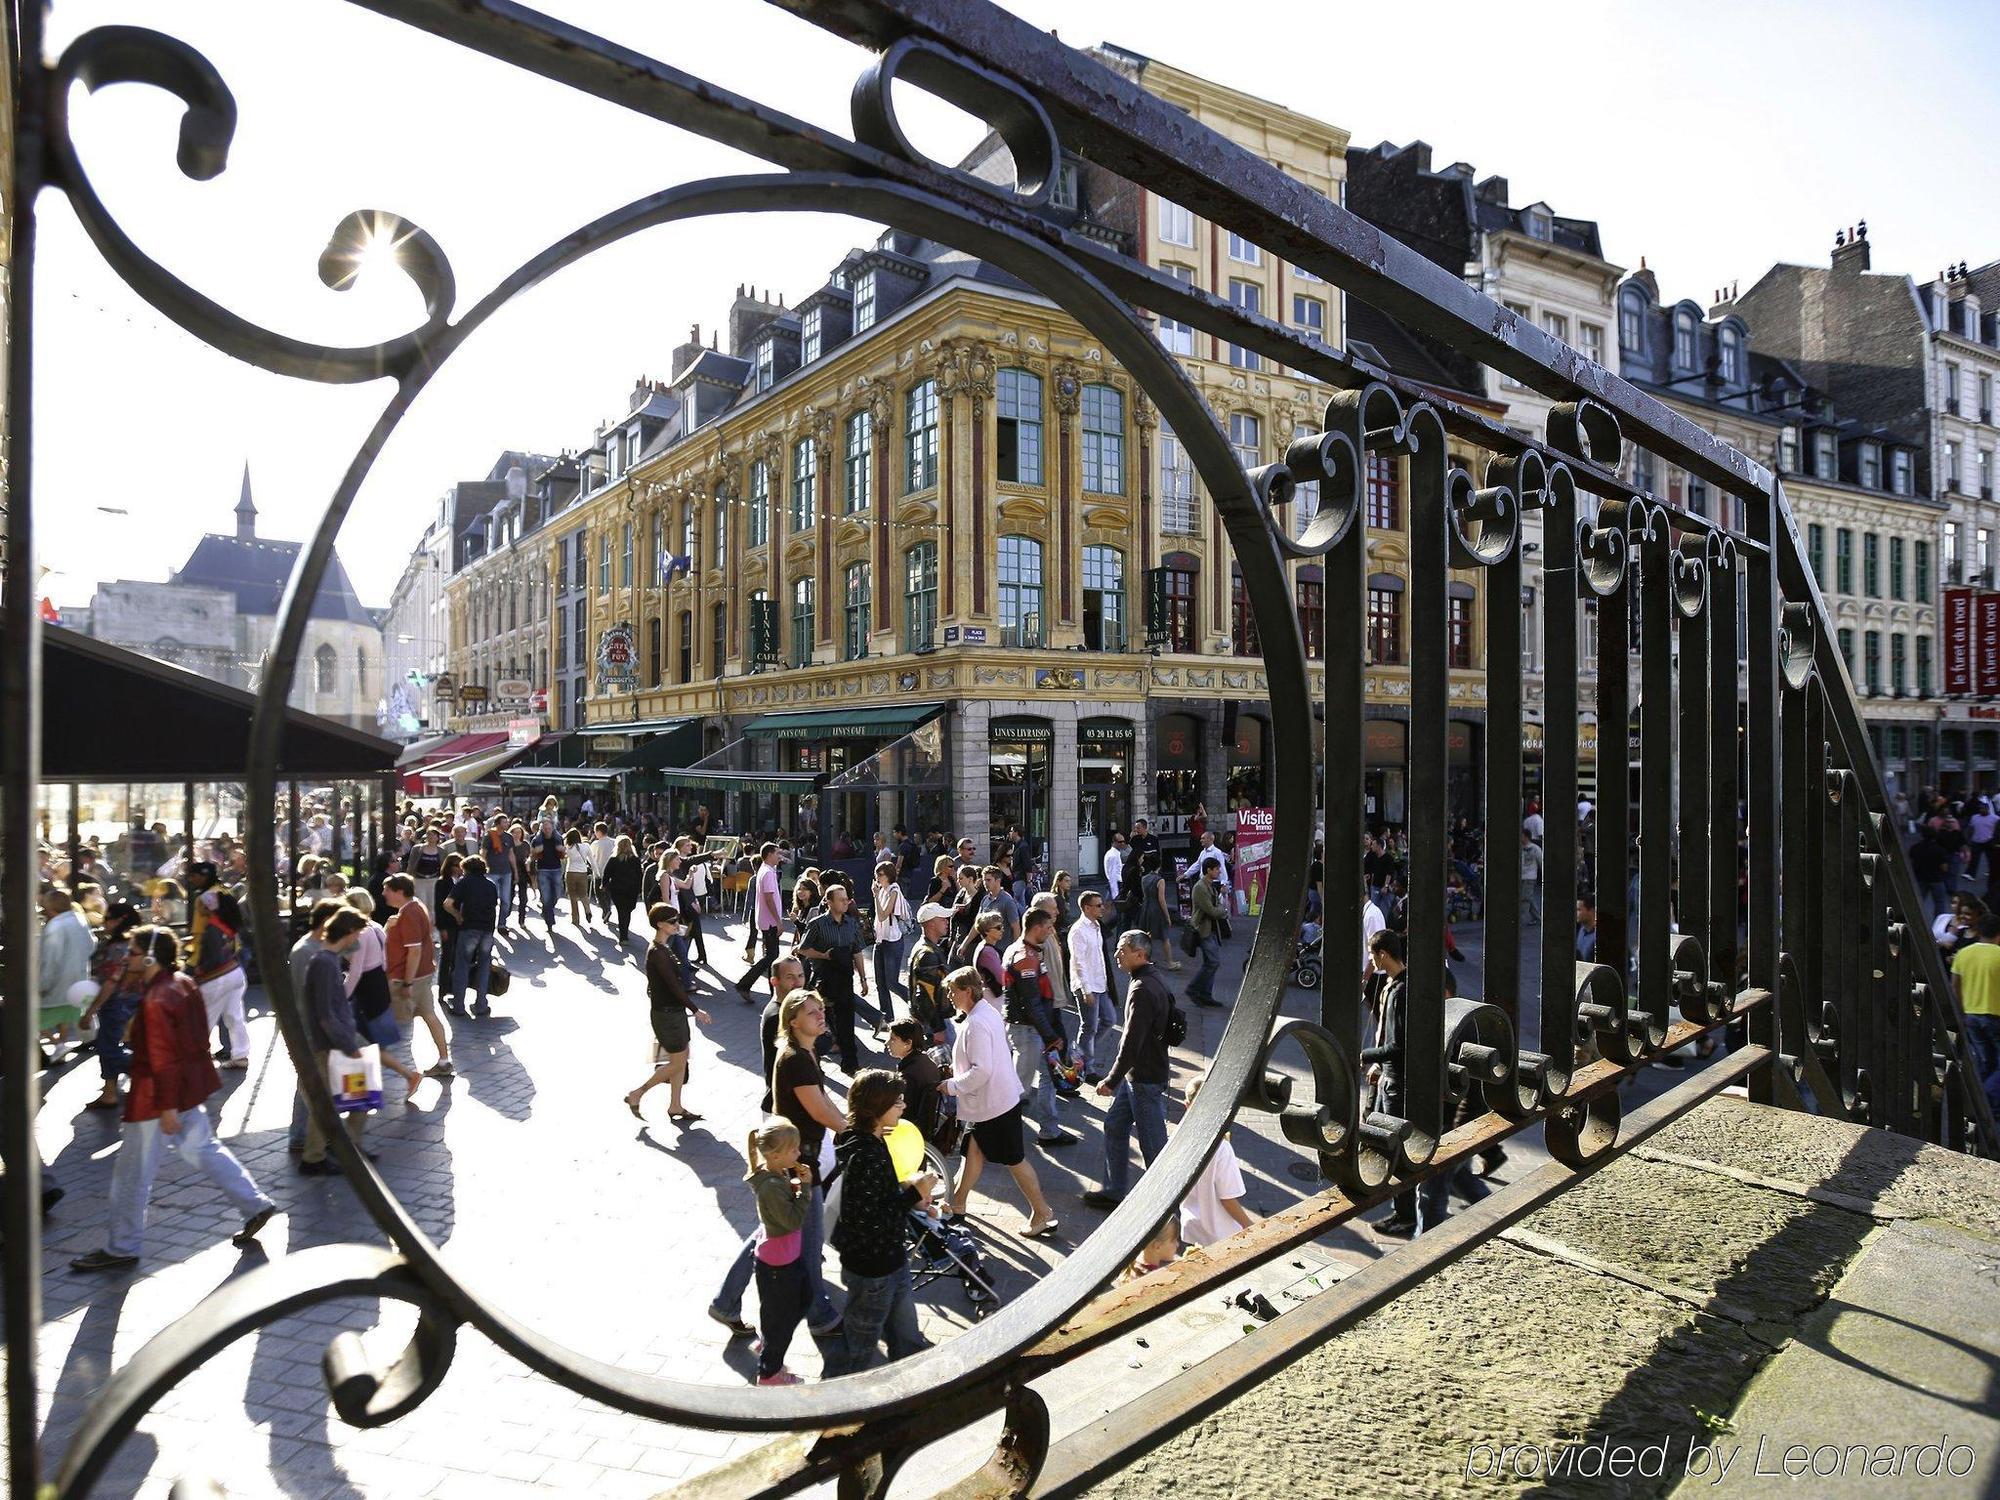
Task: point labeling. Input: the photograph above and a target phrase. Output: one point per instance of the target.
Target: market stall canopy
(822, 723)
(447, 752)
(178, 726)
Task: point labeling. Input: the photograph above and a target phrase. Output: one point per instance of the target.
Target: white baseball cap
(930, 911)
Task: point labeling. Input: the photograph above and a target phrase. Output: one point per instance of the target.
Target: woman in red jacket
(172, 1076)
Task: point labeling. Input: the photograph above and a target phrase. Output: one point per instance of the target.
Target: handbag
(1190, 942)
(497, 977)
(1176, 1027)
(355, 1080)
(1223, 929)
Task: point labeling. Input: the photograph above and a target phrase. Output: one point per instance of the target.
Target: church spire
(246, 511)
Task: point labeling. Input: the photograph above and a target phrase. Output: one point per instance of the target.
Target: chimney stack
(1850, 248)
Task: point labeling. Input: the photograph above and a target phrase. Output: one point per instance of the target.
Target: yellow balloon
(906, 1150)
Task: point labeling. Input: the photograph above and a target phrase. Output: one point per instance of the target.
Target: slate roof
(1407, 354)
(256, 570)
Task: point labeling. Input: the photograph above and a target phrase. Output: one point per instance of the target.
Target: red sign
(1255, 828)
(1957, 641)
(1987, 651)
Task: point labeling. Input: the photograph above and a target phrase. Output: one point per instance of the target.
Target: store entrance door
(1093, 830)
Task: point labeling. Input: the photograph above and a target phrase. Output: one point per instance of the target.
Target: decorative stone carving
(940, 677)
(1145, 415)
(1066, 388)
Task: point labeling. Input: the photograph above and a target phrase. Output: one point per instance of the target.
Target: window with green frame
(860, 466)
(760, 504)
(1843, 561)
(805, 477)
(1896, 551)
(920, 597)
(1920, 568)
(854, 644)
(920, 436)
(1871, 565)
(802, 622)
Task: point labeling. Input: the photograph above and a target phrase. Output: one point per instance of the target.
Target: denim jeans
(113, 1056)
(551, 882)
(475, 956)
(1202, 987)
(138, 1164)
(1140, 1105)
(819, 1306)
(1434, 1195)
(889, 974)
(1097, 1018)
(1038, 1095)
(878, 1307)
(504, 881)
(781, 1304)
(1982, 1040)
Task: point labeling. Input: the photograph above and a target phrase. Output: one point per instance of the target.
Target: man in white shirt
(1371, 923)
(1208, 854)
(767, 917)
(602, 847)
(1097, 1015)
(1532, 824)
(1114, 864)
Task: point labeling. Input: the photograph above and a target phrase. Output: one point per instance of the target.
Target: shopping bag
(355, 1079)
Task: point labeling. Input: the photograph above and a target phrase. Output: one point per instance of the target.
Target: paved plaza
(555, 1206)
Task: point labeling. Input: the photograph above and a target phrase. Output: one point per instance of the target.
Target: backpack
(1176, 1027)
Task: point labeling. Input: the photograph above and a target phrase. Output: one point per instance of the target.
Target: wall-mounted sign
(1988, 649)
(539, 700)
(512, 692)
(1983, 711)
(1096, 732)
(1958, 671)
(472, 698)
(1023, 731)
(523, 732)
(611, 743)
(444, 688)
(617, 660)
(1058, 679)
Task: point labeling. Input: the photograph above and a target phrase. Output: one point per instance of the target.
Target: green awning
(675, 746)
(824, 723)
(635, 726)
(765, 783)
(559, 776)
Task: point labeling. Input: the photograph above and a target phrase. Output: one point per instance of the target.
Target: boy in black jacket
(871, 1235)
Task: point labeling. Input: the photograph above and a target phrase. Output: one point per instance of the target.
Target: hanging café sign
(617, 661)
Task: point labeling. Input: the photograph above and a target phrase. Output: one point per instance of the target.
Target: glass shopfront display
(1249, 775)
(1176, 766)
(1018, 778)
(1104, 787)
(1385, 763)
(907, 782)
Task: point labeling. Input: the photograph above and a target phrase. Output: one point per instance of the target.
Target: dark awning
(634, 726)
(176, 726)
(559, 776)
(768, 783)
(677, 744)
(819, 723)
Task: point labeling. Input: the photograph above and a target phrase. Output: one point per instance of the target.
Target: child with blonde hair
(780, 1185)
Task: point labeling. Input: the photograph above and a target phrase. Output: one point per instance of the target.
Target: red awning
(452, 749)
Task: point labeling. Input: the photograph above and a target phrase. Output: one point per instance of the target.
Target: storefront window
(1385, 754)
(1249, 782)
(1018, 778)
(1104, 787)
(1176, 765)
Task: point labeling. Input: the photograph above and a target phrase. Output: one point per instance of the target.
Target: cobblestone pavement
(556, 1206)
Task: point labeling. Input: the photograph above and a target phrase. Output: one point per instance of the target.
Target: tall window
(920, 436)
(1176, 224)
(920, 589)
(760, 504)
(1103, 440)
(1923, 666)
(854, 645)
(1305, 498)
(1178, 337)
(1176, 486)
(1843, 561)
(604, 563)
(691, 536)
(1242, 619)
(1898, 667)
(1731, 349)
(1103, 599)
(656, 661)
(1385, 619)
(718, 637)
(802, 622)
(1590, 339)
(1816, 551)
(1871, 465)
(1896, 567)
(1062, 189)
(1826, 456)
(1312, 616)
(1385, 499)
(1899, 470)
(1309, 316)
(1018, 403)
(864, 302)
(1920, 573)
(1020, 591)
(805, 481)
(1246, 436)
(655, 551)
(859, 462)
(1177, 587)
(625, 560)
(1631, 315)
(1788, 450)
(1458, 630)
(1871, 565)
(721, 501)
(767, 365)
(1846, 638)
(1951, 466)
(687, 646)
(1241, 249)
(1684, 341)
(809, 336)
(1871, 660)
(1556, 326)
(1249, 296)
(326, 668)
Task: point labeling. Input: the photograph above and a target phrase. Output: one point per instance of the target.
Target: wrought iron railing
(1847, 1006)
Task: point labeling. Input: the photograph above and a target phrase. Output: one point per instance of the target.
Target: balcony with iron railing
(1750, 789)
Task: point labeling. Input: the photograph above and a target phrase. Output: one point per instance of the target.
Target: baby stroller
(1306, 959)
(938, 1249)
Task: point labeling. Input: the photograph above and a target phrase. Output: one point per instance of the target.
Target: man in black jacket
(475, 902)
(1385, 1061)
(549, 869)
(1138, 1080)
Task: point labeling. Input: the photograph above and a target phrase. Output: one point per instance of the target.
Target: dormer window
(1684, 340)
(838, 279)
(767, 364)
(864, 302)
(809, 336)
(1062, 191)
(1826, 456)
(1540, 224)
(614, 457)
(1788, 451)
(633, 440)
(1631, 321)
(1899, 470)
(1731, 342)
(1871, 466)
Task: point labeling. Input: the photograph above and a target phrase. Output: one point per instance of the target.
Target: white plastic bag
(355, 1080)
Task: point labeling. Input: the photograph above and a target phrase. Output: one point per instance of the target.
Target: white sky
(1712, 138)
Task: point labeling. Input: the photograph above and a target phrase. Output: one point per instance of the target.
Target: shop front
(1017, 778)
(1177, 774)
(1247, 760)
(640, 750)
(1385, 771)
(1104, 755)
(877, 767)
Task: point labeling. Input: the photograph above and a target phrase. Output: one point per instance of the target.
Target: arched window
(1631, 323)
(1684, 340)
(920, 436)
(1103, 440)
(802, 622)
(760, 504)
(326, 667)
(1020, 591)
(1177, 509)
(860, 461)
(1103, 599)
(1385, 619)
(805, 476)
(855, 642)
(1731, 344)
(1018, 428)
(1243, 638)
(361, 673)
(920, 589)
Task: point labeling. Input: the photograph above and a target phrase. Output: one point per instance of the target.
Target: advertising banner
(1255, 828)
(1986, 649)
(1957, 641)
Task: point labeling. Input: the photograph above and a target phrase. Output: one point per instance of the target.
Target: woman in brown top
(671, 1008)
